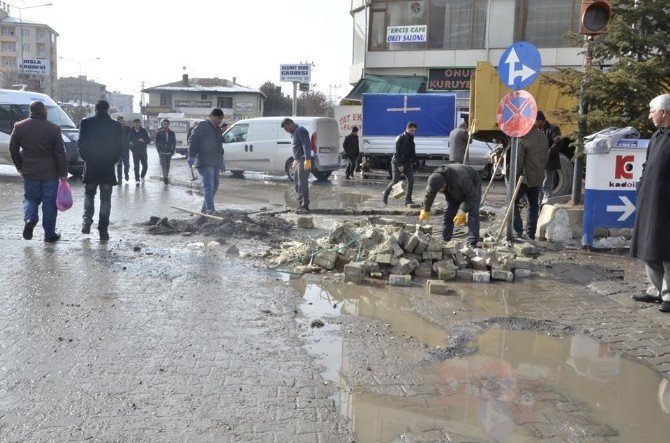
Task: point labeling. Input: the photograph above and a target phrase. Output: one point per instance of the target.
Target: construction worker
(460, 184)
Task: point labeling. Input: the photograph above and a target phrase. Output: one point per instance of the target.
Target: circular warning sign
(516, 113)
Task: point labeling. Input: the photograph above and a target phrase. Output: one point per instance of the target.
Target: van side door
(236, 147)
(263, 147)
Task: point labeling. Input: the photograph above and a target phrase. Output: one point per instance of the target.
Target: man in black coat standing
(124, 161)
(555, 140)
(138, 139)
(402, 162)
(166, 144)
(651, 234)
(100, 145)
(205, 150)
(352, 152)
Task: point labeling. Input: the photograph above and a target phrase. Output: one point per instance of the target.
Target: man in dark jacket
(166, 144)
(651, 234)
(302, 161)
(460, 184)
(352, 152)
(100, 145)
(124, 161)
(458, 142)
(36, 147)
(531, 161)
(138, 139)
(205, 150)
(555, 140)
(402, 162)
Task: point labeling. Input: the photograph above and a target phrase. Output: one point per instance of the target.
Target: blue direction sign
(519, 65)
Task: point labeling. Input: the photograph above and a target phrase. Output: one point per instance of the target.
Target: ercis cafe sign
(406, 34)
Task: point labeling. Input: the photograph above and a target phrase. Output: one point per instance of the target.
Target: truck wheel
(237, 174)
(288, 167)
(321, 175)
(563, 180)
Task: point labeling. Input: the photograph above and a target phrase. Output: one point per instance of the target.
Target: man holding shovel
(460, 184)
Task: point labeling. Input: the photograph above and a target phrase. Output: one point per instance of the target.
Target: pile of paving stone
(380, 248)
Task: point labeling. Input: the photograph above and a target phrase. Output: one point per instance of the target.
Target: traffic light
(594, 17)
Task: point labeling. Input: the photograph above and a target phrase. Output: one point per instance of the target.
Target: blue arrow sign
(519, 65)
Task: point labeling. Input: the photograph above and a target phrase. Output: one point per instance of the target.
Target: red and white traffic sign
(516, 113)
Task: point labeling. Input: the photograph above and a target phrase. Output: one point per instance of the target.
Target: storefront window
(457, 24)
(544, 22)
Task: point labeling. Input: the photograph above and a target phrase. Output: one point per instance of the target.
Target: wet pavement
(163, 338)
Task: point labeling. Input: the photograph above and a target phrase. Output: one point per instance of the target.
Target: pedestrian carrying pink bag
(64, 196)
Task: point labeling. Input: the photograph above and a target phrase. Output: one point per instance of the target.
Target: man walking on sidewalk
(302, 161)
(402, 162)
(138, 139)
(351, 150)
(36, 147)
(124, 161)
(166, 143)
(651, 234)
(100, 145)
(205, 150)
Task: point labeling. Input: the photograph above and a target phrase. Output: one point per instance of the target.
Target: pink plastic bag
(64, 196)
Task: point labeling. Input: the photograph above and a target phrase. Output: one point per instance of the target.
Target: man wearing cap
(555, 140)
(352, 152)
(402, 162)
(459, 184)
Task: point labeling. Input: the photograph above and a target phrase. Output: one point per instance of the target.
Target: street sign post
(297, 74)
(519, 65)
(516, 116)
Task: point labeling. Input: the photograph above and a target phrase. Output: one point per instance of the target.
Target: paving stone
(326, 259)
(424, 270)
(464, 274)
(478, 263)
(468, 252)
(432, 255)
(446, 273)
(481, 277)
(384, 259)
(400, 280)
(439, 287)
(522, 273)
(353, 272)
(502, 275)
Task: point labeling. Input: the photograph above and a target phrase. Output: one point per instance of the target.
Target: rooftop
(203, 85)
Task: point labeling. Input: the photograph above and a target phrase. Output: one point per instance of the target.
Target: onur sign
(406, 34)
(300, 73)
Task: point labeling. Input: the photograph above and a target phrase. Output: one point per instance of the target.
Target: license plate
(326, 150)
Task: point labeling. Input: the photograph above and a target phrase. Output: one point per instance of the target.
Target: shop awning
(387, 84)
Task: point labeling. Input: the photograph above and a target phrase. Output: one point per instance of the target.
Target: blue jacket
(206, 144)
(302, 147)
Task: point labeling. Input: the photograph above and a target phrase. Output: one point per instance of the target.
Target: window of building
(224, 102)
(41, 51)
(544, 22)
(8, 47)
(41, 35)
(26, 47)
(8, 31)
(25, 32)
(203, 96)
(166, 100)
(9, 62)
(451, 24)
(457, 24)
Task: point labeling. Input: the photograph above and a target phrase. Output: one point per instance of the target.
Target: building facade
(28, 54)
(437, 43)
(79, 91)
(122, 103)
(196, 97)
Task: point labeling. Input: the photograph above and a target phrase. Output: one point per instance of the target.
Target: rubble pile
(381, 247)
(235, 224)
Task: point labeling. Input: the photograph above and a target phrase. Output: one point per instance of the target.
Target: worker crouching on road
(459, 184)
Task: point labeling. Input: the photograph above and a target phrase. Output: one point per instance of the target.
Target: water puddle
(518, 386)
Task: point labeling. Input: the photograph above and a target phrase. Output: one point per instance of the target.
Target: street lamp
(80, 62)
(21, 8)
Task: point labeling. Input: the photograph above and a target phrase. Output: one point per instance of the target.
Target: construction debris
(377, 247)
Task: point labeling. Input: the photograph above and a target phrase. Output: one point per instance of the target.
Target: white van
(260, 144)
(14, 107)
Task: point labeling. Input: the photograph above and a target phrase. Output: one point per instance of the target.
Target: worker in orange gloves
(459, 184)
(302, 162)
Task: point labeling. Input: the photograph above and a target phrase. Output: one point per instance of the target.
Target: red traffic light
(595, 16)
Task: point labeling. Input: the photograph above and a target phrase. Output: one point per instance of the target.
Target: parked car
(260, 144)
(14, 107)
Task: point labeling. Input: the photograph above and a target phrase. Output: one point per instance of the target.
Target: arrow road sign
(519, 65)
(627, 209)
(516, 113)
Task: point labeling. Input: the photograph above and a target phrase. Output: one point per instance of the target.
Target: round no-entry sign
(516, 113)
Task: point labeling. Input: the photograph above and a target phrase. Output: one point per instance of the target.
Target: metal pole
(294, 110)
(581, 127)
(21, 31)
(511, 182)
